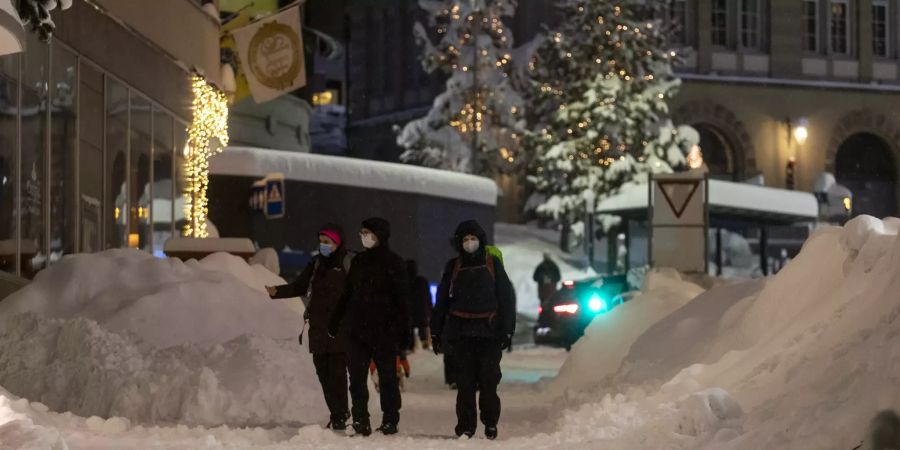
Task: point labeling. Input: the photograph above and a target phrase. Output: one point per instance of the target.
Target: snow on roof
(259, 162)
(727, 195)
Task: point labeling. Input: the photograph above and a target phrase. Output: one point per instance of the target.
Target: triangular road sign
(274, 193)
(678, 195)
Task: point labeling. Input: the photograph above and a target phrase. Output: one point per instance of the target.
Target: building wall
(752, 93)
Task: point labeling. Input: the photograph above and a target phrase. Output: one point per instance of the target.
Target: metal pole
(476, 153)
(719, 251)
(763, 244)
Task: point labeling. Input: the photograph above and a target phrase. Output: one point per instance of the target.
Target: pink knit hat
(333, 235)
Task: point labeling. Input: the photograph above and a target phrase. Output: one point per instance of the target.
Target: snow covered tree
(36, 14)
(475, 125)
(601, 84)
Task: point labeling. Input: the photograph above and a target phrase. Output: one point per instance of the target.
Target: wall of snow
(120, 333)
(801, 360)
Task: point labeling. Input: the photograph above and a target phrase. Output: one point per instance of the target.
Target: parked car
(563, 318)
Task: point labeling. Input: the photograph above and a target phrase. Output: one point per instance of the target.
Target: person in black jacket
(474, 320)
(375, 302)
(420, 306)
(547, 277)
(323, 280)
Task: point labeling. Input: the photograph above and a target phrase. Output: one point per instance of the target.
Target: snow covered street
(802, 360)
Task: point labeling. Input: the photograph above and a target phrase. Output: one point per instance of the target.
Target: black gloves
(436, 344)
(333, 328)
(506, 342)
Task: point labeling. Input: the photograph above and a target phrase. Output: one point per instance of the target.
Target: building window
(720, 23)
(839, 28)
(880, 29)
(811, 26)
(9, 145)
(677, 21)
(750, 15)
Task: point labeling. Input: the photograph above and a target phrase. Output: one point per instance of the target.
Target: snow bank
(258, 162)
(523, 249)
(608, 338)
(164, 301)
(121, 333)
(810, 358)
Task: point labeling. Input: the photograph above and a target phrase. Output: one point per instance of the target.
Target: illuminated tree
(601, 85)
(475, 124)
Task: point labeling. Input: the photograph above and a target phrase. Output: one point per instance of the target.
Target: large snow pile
(523, 248)
(121, 333)
(805, 363)
(609, 336)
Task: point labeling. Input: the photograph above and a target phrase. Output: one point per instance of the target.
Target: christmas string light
(207, 135)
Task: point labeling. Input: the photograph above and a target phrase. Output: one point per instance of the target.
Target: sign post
(267, 196)
(679, 220)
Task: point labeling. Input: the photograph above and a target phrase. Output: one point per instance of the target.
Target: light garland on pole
(207, 135)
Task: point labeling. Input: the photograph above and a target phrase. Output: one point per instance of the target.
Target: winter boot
(362, 428)
(490, 433)
(388, 428)
(460, 432)
(337, 425)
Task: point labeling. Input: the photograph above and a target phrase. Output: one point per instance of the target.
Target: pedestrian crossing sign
(275, 207)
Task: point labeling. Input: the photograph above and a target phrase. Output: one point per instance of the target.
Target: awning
(728, 202)
(12, 33)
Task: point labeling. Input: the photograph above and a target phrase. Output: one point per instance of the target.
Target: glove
(436, 344)
(506, 342)
(333, 329)
(306, 315)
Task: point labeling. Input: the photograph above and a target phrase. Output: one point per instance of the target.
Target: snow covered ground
(801, 360)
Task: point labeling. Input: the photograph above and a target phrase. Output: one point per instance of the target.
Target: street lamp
(590, 200)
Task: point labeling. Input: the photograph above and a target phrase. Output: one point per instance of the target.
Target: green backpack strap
(492, 250)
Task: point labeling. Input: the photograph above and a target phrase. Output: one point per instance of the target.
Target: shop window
(140, 195)
(116, 202)
(90, 157)
(63, 192)
(163, 206)
(9, 145)
(34, 127)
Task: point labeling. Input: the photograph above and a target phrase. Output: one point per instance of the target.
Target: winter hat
(380, 227)
(333, 232)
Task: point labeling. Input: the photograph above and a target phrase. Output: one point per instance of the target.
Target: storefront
(92, 127)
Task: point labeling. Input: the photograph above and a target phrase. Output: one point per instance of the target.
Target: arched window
(718, 154)
(864, 163)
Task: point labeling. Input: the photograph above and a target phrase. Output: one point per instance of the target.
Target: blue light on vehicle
(597, 304)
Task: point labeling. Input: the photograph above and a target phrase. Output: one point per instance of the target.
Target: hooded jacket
(323, 278)
(474, 285)
(376, 294)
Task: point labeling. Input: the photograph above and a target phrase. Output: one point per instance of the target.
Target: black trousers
(450, 369)
(386, 363)
(331, 368)
(478, 369)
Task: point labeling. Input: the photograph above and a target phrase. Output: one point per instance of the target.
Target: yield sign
(678, 194)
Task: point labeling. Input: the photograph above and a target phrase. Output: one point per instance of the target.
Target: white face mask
(470, 246)
(368, 240)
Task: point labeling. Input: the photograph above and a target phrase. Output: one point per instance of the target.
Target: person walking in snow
(321, 285)
(374, 301)
(474, 320)
(547, 277)
(420, 306)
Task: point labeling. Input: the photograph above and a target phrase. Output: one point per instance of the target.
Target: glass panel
(811, 36)
(839, 28)
(720, 23)
(90, 154)
(750, 24)
(116, 201)
(678, 21)
(879, 30)
(34, 148)
(63, 192)
(180, 182)
(163, 188)
(139, 229)
(9, 107)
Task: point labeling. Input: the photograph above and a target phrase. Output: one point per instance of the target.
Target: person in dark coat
(375, 304)
(474, 320)
(323, 280)
(420, 306)
(547, 277)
